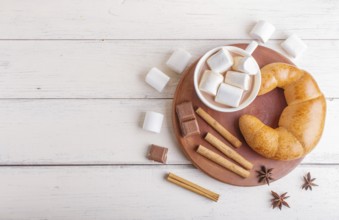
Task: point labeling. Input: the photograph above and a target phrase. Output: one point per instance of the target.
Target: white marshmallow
(262, 31)
(210, 82)
(294, 46)
(220, 61)
(245, 64)
(229, 95)
(153, 121)
(179, 60)
(157, 79)
(240, 80)
(251, 47)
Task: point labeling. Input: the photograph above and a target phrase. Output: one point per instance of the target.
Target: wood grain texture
(141, 192)
(89, 131)
(116, 69)
(153, 19)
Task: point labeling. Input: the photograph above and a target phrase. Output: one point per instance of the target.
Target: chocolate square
(185, 111)
(157, 153)
(189, 128)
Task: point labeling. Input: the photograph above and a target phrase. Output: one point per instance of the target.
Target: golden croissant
(301, 123)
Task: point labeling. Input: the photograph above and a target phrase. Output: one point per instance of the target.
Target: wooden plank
(104, 132)
(153, 19)
(136, 192)
(116, 69)
(81, 131)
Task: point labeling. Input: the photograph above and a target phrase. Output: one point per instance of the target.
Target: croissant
(301, 123)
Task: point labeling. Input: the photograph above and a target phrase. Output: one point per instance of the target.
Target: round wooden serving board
(267, 108)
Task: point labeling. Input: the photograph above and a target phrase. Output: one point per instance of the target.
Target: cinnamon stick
(192, 187)
(222, 161)
(228, 151)
(218, 127)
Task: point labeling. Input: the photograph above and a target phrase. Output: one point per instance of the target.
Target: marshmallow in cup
(210, 82)
(217, 103)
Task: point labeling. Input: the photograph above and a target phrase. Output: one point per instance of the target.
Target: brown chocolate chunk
(157, 153)
(185, 111)
(189, 128)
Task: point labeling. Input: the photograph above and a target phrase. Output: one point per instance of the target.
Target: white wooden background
(72, 96)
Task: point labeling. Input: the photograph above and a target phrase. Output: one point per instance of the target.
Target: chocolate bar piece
(185, 111)
(189, 128)
(157, 153)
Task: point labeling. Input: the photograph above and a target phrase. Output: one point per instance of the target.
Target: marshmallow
(251, 47)
(153, 121)
(210, 82)
(262, 31)
(240, 80)
(220, 61)
(294, 46)
(157, 79)
(229, 95)
(179, 60)
(245, 64)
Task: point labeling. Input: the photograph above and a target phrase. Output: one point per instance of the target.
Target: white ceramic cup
(210, 102)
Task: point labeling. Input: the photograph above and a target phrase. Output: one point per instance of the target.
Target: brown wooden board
(267, 108)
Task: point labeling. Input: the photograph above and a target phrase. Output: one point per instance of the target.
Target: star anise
(264, 175)
(308, 182)
(279, 201)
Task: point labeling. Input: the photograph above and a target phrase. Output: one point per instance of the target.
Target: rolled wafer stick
(222, 161)
(228, 151)
(218, 127)
(192, 187)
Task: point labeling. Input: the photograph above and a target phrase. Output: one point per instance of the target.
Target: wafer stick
(218, 127)
(228, 151)
(192, 187)
(222, 161)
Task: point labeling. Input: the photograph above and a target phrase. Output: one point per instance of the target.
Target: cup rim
(245, 103)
